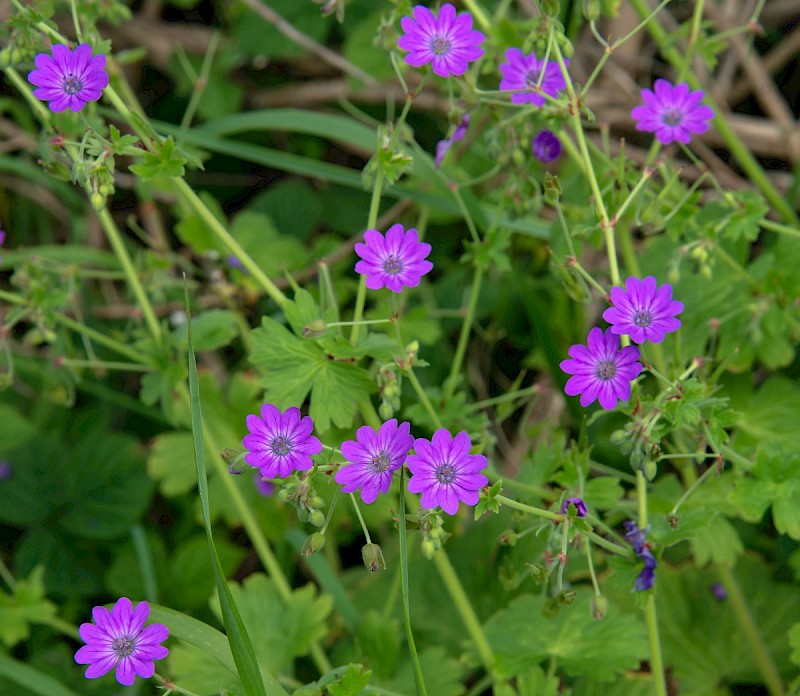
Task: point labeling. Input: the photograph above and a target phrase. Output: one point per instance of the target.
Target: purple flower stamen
(393, 261)
(280, 443)
(118, 638)
(521, 72)
(601, 370)
(673, 113)
(445, 473)
(643, 310)
(375, 457)
(69, 79)
(447, 41)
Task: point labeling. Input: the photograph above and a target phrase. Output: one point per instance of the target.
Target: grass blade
(243, 654)
(31, 678)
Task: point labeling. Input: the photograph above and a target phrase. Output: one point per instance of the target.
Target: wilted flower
(118, 638)
(643, 311)
(374, 457)
(444, 145)
(280, 443)
(448, 41)
(445, 472)
(524, 73)
(394, 261)
(69, 79)
(264, 487)
(601, 371)
(672, 113)
(546, 146)
(636, 537)
(580, 506)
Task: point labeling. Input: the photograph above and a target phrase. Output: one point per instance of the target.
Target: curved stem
(463, 338)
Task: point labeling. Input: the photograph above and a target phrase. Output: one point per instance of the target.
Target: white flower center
(280, 446)
(392, 265)
(445, 473)
(379, 462)
(440, 45)
(123, 646)
(673, 117)
(605, 370)
(72, 84)
(643, 317)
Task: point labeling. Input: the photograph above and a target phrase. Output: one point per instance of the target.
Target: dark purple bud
(546, 146)
(636, 537)
(234, 262)
(6, 471)
(444, 145)
(580, 506)
(719, 591)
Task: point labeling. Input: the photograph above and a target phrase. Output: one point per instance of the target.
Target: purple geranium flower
(636, 537)
(580, 506)
(118, 638)
(280, 443)
(2, 239)
(546, 146)
(601, 371)
(69, 79)
(672, 113)
(642, 311)
(374, 457)
(523, 72)
(444, 145)
(394, 261)
(448, 41)
(445, 472)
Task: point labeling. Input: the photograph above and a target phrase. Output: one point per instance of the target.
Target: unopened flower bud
(316, 517)
(313, 544)
(373, 558)
(385, 410)
(315, 329)
(98, 201)
(591, 10)
(650, 469)
(428, 548)
(599, 607)
(508, 538)
(567, 597)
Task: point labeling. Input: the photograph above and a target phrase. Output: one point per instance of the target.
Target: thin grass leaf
(243, 654)
(31, 678)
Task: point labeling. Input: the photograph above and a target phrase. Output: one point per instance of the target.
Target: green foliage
(25, 605)
(168, 160)
(522, 635)
(212, 329)
(293, 367)
(775, 481)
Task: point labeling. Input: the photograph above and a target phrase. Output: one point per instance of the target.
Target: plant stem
(738, 604)
(114, 238)
(259, 541)
(372, 220)
(97, 337)
(463, 338)
(423, 397)
(419, 679)
(361, 518)
(233, 246)
(651, 616)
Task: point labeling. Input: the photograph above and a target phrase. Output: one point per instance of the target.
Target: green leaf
(775, 481)
(293, 367)
(442, 673)
(351, 683)
(273, 252)
(241, 646)
(15, 429)
(190, 667)
(167, 161)
(281, 630)
(701, 637)
(170, 463)
(380, 643)
(212, 329)
(521, 636)
(794, 641)
(771, 415)
(25, 606)
(194, 231)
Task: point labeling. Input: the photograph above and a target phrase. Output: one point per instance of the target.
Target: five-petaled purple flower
(636, 537)
(546, 146)
(643, 311)
(374, 457)
(580, 506)
(69, 79)
(601, 371)
(280, 443)
(525, 73)
(394, 261)
(672, 112)
(118, 638)
(444, 145)
(448, 41)
(445, 472)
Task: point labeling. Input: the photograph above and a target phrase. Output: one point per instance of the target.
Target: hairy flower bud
(313, 544)
(599, 607)
(373, 558)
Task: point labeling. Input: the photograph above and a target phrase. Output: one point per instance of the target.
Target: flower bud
(316, 517)
(315, 329)
(591, 10)
(98, 201)
(313, 544)
(373, 558)
(650, 469)
(428, 548)
(385, 410)
(599, 607)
